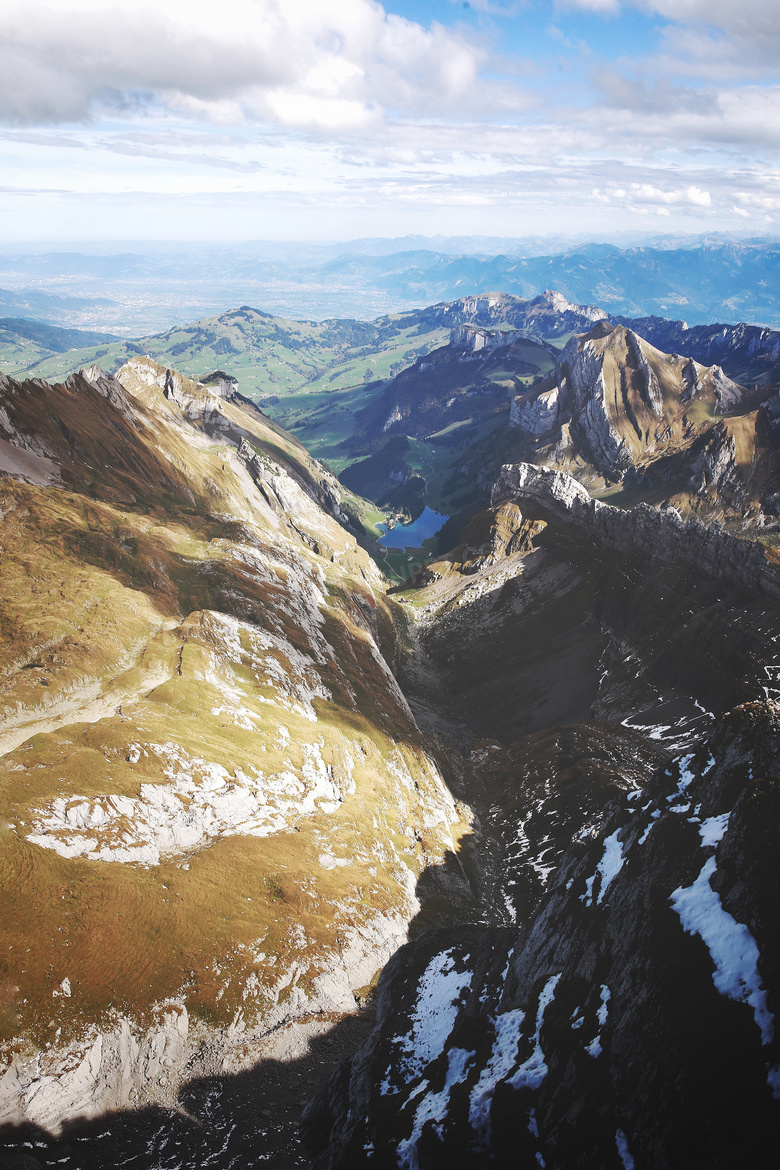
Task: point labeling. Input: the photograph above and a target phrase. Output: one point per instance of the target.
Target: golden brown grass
(103, 587)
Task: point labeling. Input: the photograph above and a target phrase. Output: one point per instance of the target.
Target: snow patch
(653, 818)
(607, 869)
(713, 830)
(63, 989)
(503, 1058)
(622, 1148)
(595, 1049)
(433, 1107)
(532, 1071)
(328, 862)
(202, 802)
(731, 945)
(434, 1015)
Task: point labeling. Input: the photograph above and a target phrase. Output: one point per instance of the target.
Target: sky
(309, 120)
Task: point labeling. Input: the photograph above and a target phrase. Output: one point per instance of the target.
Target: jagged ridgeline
(629, 420)
(215, 801)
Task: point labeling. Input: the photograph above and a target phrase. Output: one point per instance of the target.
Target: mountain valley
(477, 856)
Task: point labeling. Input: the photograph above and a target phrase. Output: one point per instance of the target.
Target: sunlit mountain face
(448, 777)
(390, 501)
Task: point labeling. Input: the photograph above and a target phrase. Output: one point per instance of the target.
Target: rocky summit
(479, 868)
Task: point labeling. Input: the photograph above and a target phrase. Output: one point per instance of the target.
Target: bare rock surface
(631, 1017)
(658, 534)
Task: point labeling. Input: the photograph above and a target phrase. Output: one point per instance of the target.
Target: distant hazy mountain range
(424, 407)
(148, 288)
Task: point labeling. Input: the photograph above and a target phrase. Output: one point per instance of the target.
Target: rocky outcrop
(479, 342)
(127, 1064)
(715, 467)
(549, 315)
(200, 402)
(660, 535)
(472, 339)
(221, 383)
(584, 372)
(728, 394)
(540, 418)
(631, 1021)
(275, 484)
(691, 379)
(651, 388)
(629, 410)
(558, 303)
(105, 384)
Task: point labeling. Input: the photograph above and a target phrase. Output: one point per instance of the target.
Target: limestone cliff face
(628, 404)
(550, 314)
(195, 399)
(215, 801)
(540, 417)
(660, 535)
(475, 341)
(595, 406)
(213, 404)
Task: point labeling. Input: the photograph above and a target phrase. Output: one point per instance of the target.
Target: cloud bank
(494, 120)
(296, 63)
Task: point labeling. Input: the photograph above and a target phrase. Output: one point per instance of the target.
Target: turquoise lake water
(412, 535)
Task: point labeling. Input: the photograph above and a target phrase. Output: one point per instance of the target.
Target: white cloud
(759, 202)
(740, 211)
(299, 104)
(296, 62)
(754, 18)
(751, 18)
(647, 193)
(592, 5)
(698, 197)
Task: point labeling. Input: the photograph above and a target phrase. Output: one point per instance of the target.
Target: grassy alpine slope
(213, 794)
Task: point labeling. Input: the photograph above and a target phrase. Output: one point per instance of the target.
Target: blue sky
(122, 119)
(538, 31)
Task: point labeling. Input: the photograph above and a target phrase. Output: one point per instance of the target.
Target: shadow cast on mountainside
(225, 1122)
(241, 1119)
(577, 636)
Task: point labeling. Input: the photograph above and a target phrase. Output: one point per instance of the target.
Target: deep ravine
(627, 1019)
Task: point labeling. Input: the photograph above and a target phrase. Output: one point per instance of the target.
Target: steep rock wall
(658, 534)
(630, 1022)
